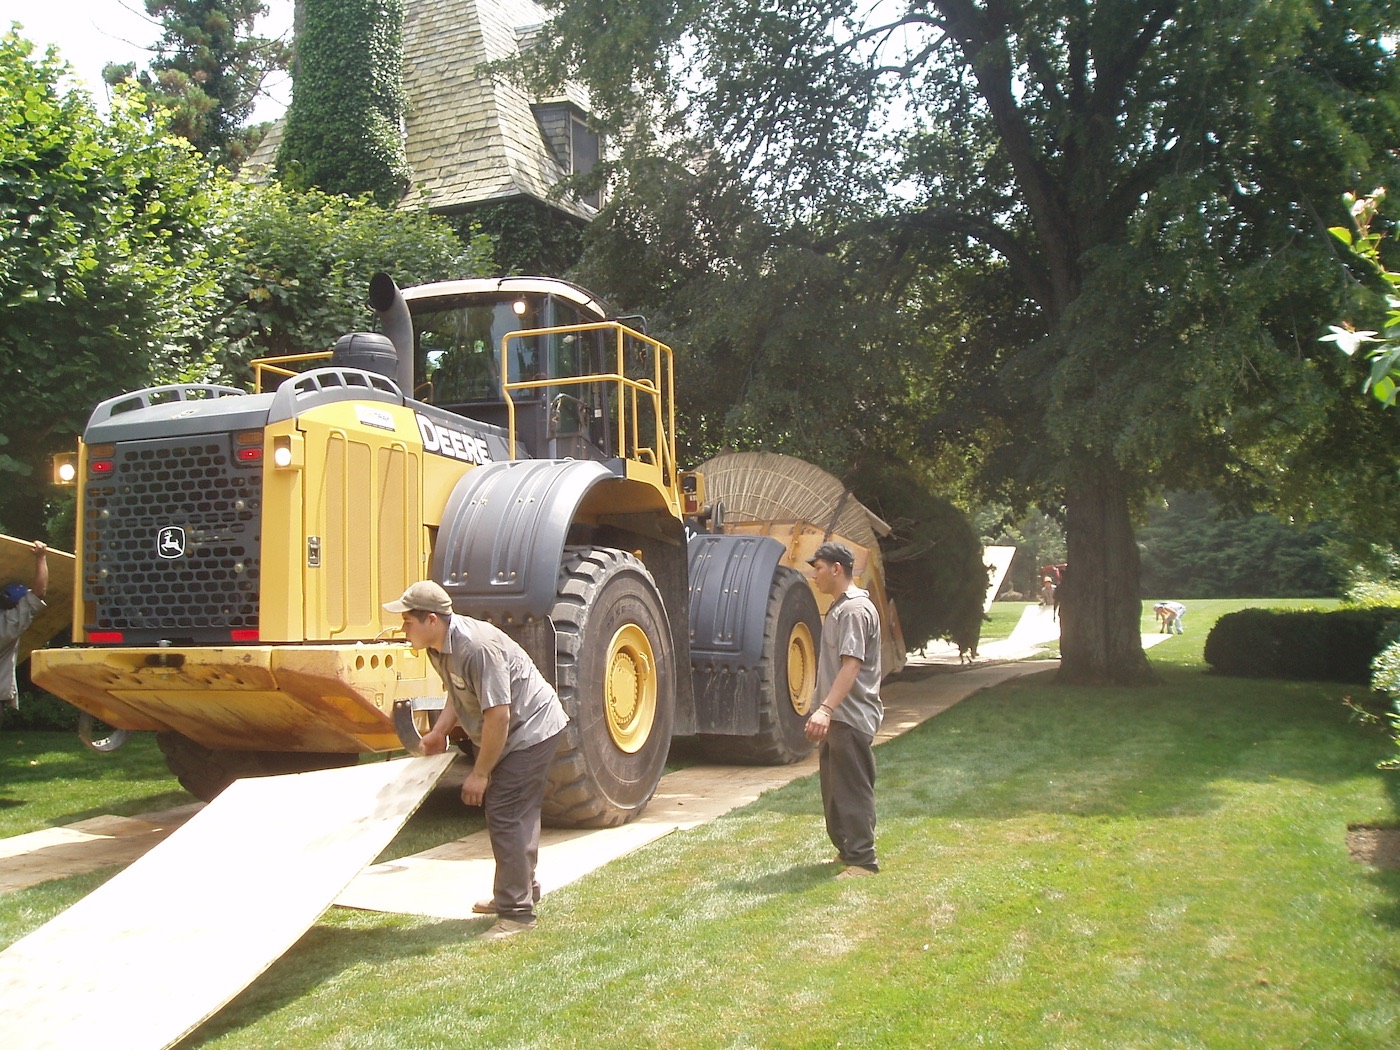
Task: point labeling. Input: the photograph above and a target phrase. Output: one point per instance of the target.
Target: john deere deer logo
(170, 542)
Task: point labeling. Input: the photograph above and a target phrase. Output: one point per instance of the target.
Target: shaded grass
(48, 779)
(1162, 867)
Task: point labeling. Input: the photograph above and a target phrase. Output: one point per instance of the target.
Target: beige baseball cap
(424, 596)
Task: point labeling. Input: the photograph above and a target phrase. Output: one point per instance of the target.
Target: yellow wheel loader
(505, 437)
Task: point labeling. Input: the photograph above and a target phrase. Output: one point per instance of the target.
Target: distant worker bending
(1170, 617)
(849, 710)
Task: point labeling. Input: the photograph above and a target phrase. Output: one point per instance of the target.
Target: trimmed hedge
(1305, 645)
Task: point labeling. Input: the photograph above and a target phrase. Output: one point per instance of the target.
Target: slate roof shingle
(470, 138)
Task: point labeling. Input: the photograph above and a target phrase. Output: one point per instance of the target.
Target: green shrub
(1311, 645)
(39, 710)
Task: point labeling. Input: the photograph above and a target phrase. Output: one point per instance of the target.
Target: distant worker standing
(849, 710)
(513, 717)
(18, 607)
(1170, 617)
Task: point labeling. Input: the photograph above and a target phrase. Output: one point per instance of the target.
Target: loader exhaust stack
(387, 301)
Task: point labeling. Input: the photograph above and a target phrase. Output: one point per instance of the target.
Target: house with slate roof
(472, 139)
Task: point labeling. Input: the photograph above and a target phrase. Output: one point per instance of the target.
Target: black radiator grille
(172, 541)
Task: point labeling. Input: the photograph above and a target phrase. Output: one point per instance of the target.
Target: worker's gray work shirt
(852, 628)
(13, 623)
(482, 667)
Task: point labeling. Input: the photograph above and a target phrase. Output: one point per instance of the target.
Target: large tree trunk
(1100, 611)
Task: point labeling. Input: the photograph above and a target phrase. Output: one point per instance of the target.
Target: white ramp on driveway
(163, 945)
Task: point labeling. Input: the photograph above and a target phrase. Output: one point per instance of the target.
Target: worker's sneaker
(504, 928)
(855, 871)
(488, 905)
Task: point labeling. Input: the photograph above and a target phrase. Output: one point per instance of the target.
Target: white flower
(1347, 340)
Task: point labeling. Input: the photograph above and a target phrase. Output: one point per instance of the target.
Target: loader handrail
(275, 366)
(657, 392)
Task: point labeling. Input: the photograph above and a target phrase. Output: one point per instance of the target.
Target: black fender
(729, 580)
(502, 536)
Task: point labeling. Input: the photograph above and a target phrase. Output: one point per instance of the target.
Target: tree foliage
(126, 259)
(1098, 228)
(1192, 548)
(527, 236)
(208, 70)
(294, 269)
(1383, 351)
(344, 131)
(103, 264)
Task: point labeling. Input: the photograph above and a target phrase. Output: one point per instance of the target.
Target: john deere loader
(504, 437)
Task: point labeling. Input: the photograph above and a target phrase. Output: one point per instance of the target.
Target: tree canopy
(103, 263)
(126, 258)
(208, 71)
(1059, 253)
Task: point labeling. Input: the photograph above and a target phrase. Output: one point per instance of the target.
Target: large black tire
(204, 772)
(616, 680)
(787, 673)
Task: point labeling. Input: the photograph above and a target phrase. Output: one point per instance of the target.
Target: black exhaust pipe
(387, 301)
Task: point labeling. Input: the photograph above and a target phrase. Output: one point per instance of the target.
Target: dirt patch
(1376, 846)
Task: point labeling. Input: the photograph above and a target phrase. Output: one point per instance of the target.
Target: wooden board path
(17, 566)
(145, 958)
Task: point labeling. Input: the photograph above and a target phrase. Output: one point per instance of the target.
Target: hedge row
(1336, 646)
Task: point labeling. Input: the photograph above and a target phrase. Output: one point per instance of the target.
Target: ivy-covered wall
(345, 124)
(528, 237)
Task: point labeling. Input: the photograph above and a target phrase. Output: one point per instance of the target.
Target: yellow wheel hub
(801, 668)
(629, 688)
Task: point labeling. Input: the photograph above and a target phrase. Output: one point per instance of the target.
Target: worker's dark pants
(513, 800)
(847, 764)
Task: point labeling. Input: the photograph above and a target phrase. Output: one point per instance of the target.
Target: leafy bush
(1336, 646)
(39, 710)
(933, 559)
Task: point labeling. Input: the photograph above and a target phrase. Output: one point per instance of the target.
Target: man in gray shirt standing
(849, 711)
(513, 717)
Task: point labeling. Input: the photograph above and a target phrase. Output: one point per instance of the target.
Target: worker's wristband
(828, 710)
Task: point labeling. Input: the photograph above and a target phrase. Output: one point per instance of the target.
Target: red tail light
(106, 637)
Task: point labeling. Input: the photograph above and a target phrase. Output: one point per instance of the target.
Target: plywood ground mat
(17, 566)
(144, 959)
(75, 849)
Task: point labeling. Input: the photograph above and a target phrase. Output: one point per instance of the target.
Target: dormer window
(575, 145)
(583, 149)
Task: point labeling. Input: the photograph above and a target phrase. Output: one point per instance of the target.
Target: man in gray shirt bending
(513, 717)
(850, 711)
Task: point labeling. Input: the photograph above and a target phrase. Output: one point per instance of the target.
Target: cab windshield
(459, 346)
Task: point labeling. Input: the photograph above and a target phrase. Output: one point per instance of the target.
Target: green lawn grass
(1162, 867)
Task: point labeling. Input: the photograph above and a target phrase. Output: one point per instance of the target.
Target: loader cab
(458, 331)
